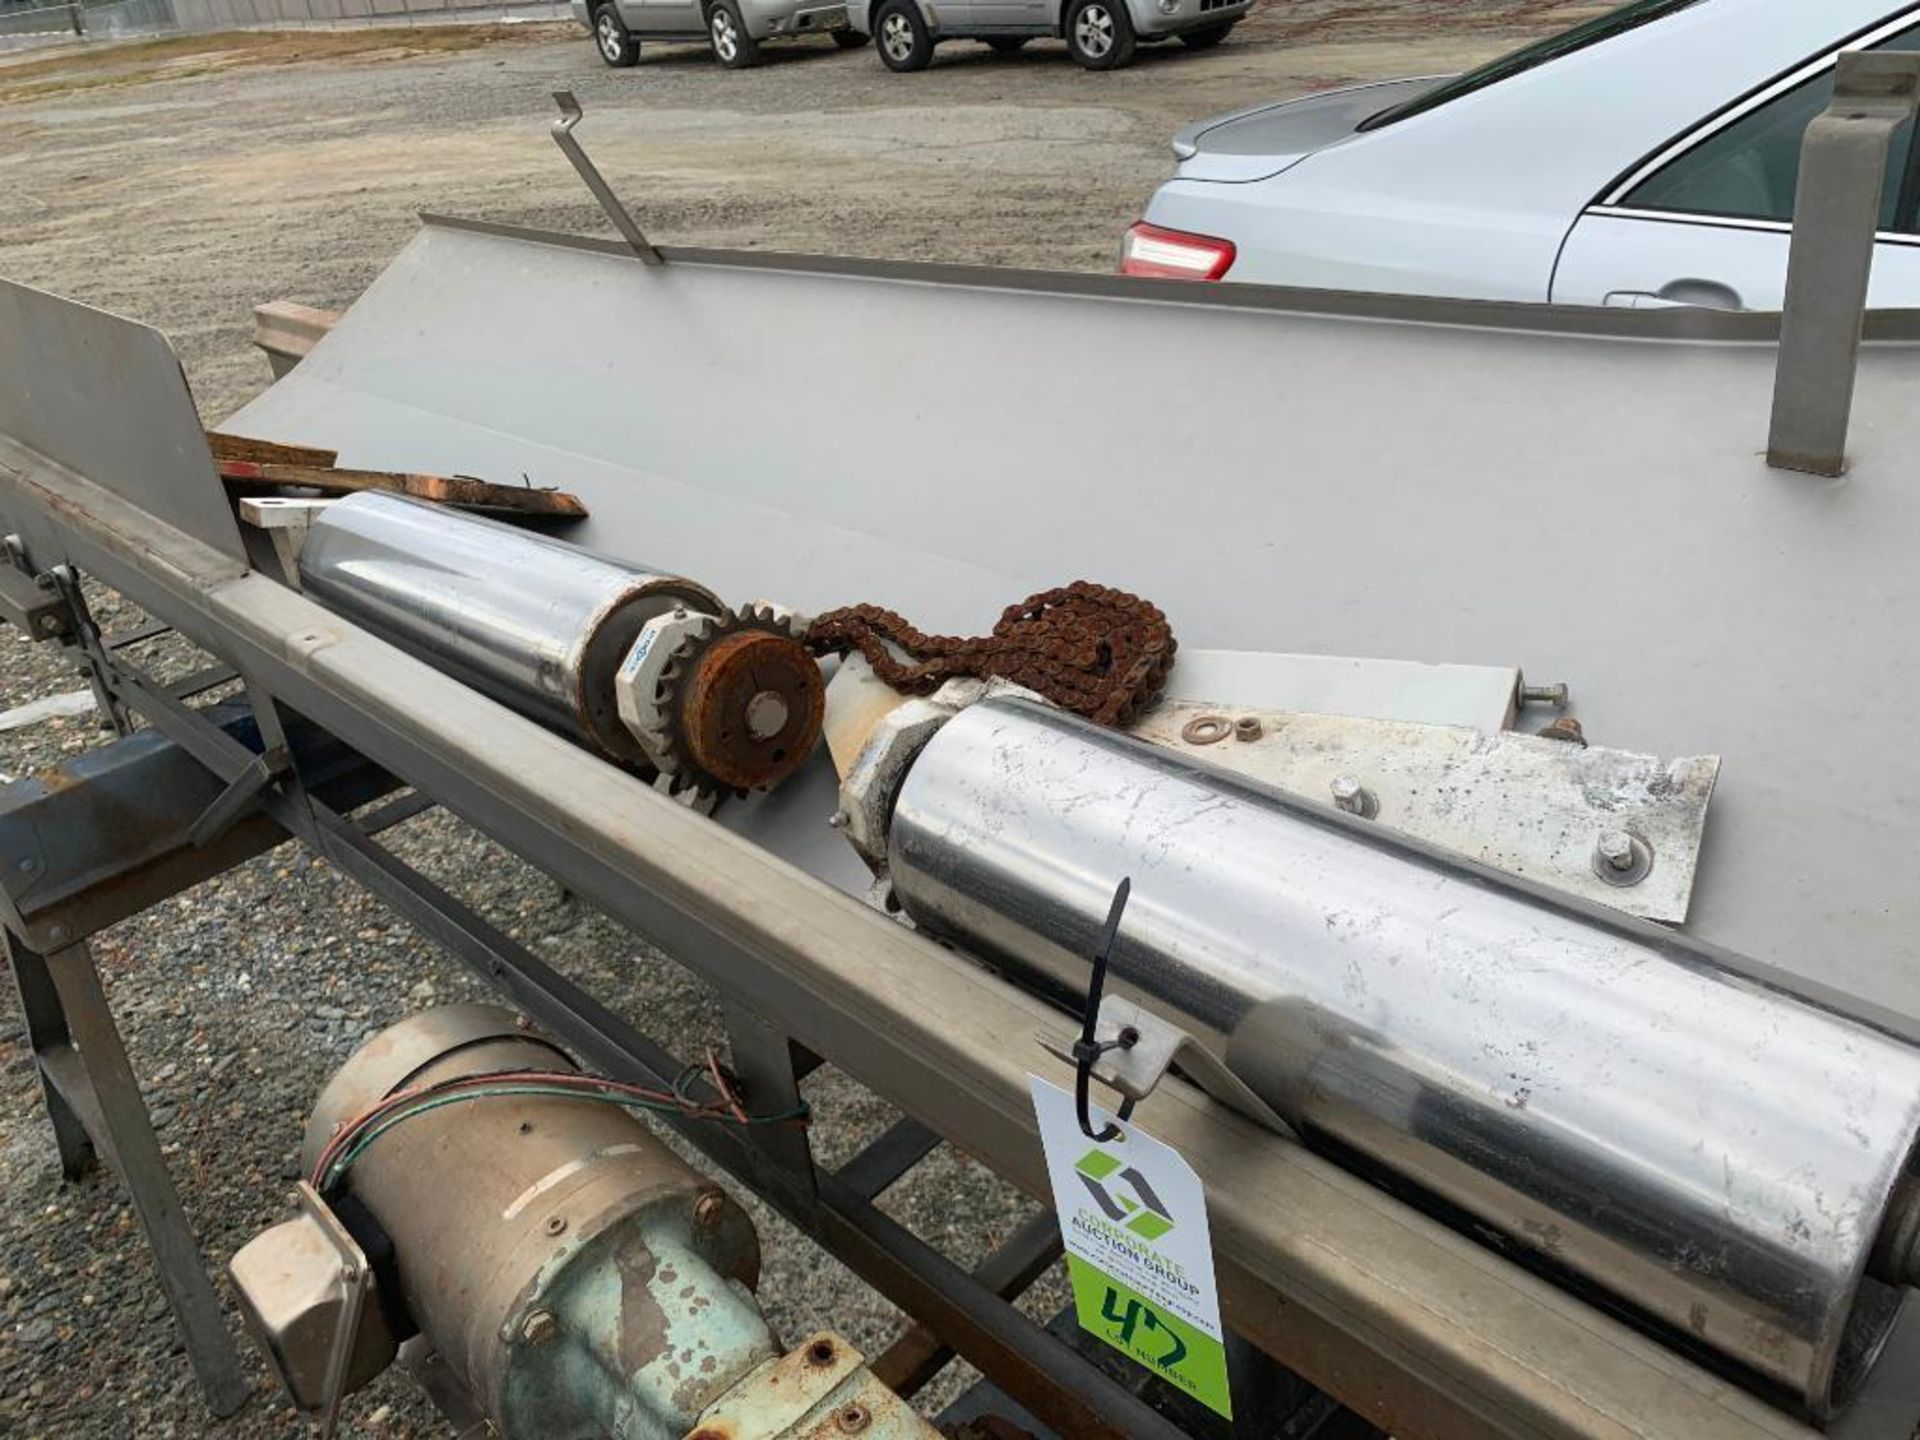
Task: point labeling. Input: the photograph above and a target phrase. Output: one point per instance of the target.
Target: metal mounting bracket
(563, 136)
(355, 1277)
(1843, 163)
(239, 796)
(1158, 1046)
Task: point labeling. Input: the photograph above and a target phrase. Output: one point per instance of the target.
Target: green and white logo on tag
(1134, 1219)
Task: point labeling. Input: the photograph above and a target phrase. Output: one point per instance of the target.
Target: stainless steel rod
(536, 623)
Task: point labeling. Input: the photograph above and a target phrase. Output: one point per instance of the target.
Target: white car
(1647, 157)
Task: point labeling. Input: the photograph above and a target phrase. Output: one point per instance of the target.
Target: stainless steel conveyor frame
(1417, 1328)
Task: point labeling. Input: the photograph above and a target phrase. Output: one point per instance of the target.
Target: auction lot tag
(1134, 1221)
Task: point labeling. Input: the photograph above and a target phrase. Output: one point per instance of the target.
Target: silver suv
(734, 28)
(1100, 34)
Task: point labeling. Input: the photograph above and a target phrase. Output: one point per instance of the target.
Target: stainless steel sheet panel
(1456, 484)
(106, 398)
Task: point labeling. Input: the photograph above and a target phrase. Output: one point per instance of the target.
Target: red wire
(567, 1080)
(726, 1090)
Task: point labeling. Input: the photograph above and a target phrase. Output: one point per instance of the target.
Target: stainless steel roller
(1717, 1154)
(536, 623)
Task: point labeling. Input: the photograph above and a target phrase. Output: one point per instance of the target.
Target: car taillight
(1167, 254)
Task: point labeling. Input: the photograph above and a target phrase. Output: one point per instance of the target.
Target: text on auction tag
(1134, 1221)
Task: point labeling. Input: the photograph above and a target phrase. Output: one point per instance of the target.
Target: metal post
(764, 1060)
(1843, 163)
(47, 1036)
(89, 1070)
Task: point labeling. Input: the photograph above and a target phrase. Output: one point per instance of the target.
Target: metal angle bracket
(1135, 1067)
(238, 798)
(30, 601)
(563, 136)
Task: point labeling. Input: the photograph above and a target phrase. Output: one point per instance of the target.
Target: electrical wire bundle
(352, 1139)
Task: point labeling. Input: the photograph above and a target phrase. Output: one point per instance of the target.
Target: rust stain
(643, 1324)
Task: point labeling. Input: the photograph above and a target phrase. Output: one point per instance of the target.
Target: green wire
(629, 1102)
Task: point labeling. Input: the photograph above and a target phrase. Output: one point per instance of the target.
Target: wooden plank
(267, 452)
(247, 476)
(287, 331)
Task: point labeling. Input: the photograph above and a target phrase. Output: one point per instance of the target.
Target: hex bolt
(708, 1209)
(1615, 851)
(539, 1327)
(852, 1419)
(1554, 695)
(1248, 727)
(1353, 797)
(49, 623)
(839, 819)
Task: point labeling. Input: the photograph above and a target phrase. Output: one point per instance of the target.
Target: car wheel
(849, 39)
(1100, 34)
(613, 40)
(1206, 39)
(733, 47)
(900, 34)
(1007, 44)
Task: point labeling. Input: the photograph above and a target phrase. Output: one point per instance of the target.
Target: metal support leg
(47, 1035)
(768, 1065)
(85, 1070)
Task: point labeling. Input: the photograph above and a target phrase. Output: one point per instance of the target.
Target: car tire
(1206, 39)
(727, 37)
(1099, 34)
(849, 39)
(900, 35)
(612, 38)
(1007, 44)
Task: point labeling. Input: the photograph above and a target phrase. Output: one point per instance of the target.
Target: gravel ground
(183, 183)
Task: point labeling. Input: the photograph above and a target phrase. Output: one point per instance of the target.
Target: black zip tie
(1086, 1049)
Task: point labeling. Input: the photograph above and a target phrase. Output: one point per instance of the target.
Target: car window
(1750, 169)
(1591, 32)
